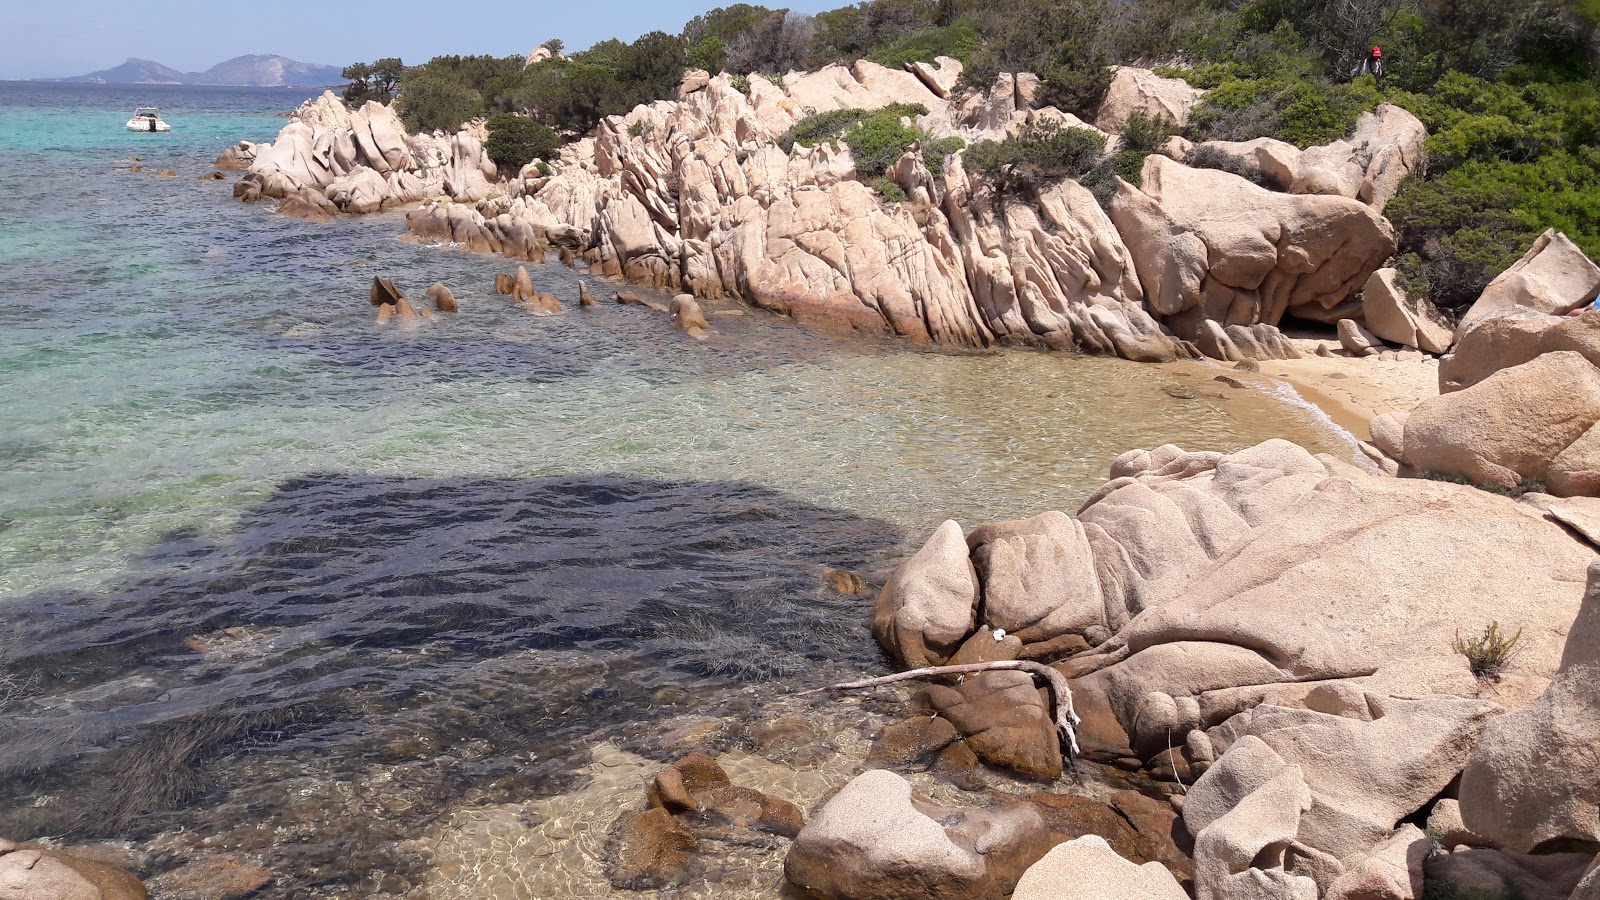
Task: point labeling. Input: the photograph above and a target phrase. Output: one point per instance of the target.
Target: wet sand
(1353, 390)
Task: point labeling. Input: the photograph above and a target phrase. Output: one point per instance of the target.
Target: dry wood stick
(1066, 718)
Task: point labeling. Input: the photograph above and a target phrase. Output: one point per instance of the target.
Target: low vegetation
(876, 138)
(1489, 654)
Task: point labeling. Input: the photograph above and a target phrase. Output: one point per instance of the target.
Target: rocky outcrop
(237, 158)
(1198, 258)
(1086, 868)
(1188, 575)
(1141, 90)
(692, 196)
(1531, 778)
(1511, 427)
(876, 839)
(1390, 314)
(1553, 277)
(362, 160)
(1508, 339)
(1271, 621)
(1368, 165)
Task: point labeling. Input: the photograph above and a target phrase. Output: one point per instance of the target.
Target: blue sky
(60, 39)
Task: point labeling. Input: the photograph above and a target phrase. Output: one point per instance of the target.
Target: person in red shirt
(1373, 64)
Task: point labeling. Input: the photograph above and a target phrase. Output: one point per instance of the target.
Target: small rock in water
(212, 878)
(584, 297)
(844, 583)
(442, 299)
(384, 291)
(544, 304)
(522, 286)
(628, 298)
(385, 313)
(503, 283)
(1230, 382)
(1247, 365)
(687, 316)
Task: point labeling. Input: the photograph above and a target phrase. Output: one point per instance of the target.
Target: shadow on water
(480, 632)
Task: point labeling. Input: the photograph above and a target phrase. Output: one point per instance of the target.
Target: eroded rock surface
(1209, 245)
(876, 839)
(1532, 777)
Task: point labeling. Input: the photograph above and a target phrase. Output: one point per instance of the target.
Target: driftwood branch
(1066, 718)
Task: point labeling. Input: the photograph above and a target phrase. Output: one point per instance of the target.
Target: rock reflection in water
(365, 659)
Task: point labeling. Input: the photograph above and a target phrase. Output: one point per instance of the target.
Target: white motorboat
(147, 118)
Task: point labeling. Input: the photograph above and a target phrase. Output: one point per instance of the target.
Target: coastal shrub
(1147, 133)
(430, 102)
(936, 151)
(1204, 157)
(876, 138)
(1490, 653)
(959, 40)
(1041, 151)
(1301, 111)
(741, 83)
(514, 141)
(372, 81)
(1061, 41)
(889, 190)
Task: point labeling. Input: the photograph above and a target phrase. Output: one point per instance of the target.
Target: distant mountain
(255, 70)
(134, 71)
(268, 71)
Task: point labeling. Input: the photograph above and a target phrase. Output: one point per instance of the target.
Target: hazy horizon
(48, 41)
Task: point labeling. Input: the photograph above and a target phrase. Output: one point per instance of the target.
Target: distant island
(258, 70)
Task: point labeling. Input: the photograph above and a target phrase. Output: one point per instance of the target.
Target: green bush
(876, 138)
(959, 41)
(514, 141)
(430, 102)
(1204, 157)
(1147, 133)
(935, 152)
(889, 191)
(1040, 152)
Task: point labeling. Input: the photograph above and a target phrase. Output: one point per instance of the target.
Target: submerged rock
(34, 873)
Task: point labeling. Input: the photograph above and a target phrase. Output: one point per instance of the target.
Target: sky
(62, 39)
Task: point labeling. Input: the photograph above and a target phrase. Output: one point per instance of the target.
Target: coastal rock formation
(1390, 314)
(1368, 165)
(1141, 90)
(1510, 427)
(1176, 601)
(1531, 778)
(237, 158)
(692, 196)
(1513, 337)
(876, 839)
(443, 300)
(1199, 259)
(1553, 277)
(1086, 868)
(362, 160)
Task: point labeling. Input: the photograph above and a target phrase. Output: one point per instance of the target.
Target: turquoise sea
(256, 551)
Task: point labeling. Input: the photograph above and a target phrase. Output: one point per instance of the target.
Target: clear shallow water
(284, 583)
